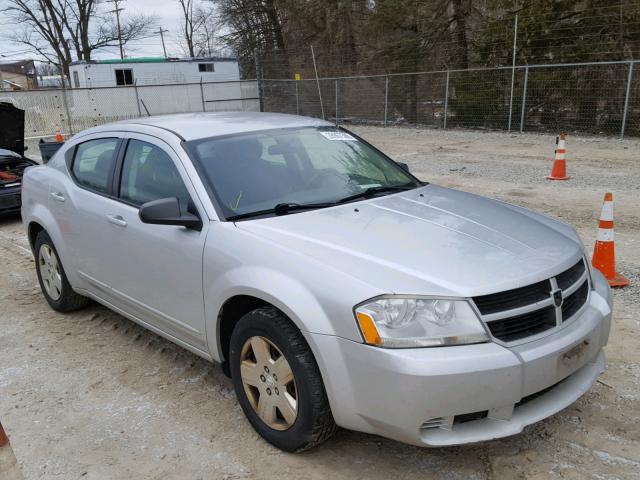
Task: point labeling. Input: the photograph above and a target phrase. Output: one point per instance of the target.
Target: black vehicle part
(48, 149)
(12, 131)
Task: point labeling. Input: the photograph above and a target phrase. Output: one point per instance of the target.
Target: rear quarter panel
(37, 207)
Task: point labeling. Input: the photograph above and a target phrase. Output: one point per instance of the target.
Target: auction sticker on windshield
(338, 136)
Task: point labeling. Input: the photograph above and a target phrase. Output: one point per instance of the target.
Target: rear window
(93, 163)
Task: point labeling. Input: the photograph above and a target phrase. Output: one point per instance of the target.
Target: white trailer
(152, 71)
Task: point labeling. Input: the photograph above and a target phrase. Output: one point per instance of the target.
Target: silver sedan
(335, 288)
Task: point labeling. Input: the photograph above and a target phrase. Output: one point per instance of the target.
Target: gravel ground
(92, 395)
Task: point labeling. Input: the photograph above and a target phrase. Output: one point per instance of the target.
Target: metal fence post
(68, 112)
(315, 68)
(258, 84)
(524, 98)
(336, 102)
(446, 101)
(513, 69)
(626, 100)
(204, 108)
(135, 87)
(386, 99)
(297, 98)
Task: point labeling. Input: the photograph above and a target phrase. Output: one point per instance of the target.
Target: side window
(93, 163)
(206, 67)
(148, 173)
(124, 77)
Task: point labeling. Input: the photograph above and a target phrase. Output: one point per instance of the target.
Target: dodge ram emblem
(557, 297)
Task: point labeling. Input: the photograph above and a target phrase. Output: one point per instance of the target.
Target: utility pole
(117, 10)
(161, 31)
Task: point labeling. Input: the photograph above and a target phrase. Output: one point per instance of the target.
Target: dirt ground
(92, 395)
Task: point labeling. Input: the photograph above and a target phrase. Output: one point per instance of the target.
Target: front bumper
(425, 396)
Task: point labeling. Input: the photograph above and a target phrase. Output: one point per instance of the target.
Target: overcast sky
(167, 12)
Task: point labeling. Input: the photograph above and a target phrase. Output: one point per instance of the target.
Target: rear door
(156, 271)
(81, 204)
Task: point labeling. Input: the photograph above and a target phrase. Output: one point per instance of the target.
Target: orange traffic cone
(604, 258)
(59, 137)
(9, 468)
(559, 169)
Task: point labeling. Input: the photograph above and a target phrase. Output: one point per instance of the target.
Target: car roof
(192, 126)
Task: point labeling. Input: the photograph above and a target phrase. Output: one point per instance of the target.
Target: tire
(60, 296)
(313, 422)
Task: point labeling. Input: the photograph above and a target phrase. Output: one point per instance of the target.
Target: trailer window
(206, 67)
(124, 77)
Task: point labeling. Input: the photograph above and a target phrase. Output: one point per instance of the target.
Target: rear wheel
(278, 383)
(53, 281)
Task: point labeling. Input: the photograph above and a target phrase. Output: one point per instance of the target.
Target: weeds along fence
(591, 98)
(72, 110)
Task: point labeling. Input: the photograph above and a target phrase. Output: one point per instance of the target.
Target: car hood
(431, 240)
(12, 131)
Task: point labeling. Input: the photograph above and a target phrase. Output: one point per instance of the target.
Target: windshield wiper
(282, 209)
(371, 191)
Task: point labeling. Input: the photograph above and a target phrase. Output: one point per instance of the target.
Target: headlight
(408, 322)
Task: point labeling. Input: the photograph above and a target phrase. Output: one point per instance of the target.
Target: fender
(239, 262)
(272, 286)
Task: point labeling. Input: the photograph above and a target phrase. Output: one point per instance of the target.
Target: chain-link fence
(72, 110)
(593, 98)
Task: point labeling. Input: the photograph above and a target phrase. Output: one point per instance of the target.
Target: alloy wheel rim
(269, 383)
(50, 272)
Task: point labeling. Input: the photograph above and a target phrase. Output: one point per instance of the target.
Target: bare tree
(254, 27)
(44, 29)
(189, 25)
(205, 37)
(57, 29)
(197, 27)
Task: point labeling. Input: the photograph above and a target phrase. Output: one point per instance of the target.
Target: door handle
(58, 197)
(117, 220)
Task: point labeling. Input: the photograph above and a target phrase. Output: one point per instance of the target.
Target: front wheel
(278, 383)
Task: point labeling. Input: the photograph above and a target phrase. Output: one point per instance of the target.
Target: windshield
(254, 173)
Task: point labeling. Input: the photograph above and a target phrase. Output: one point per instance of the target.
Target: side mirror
(403, 166)
(166, 211)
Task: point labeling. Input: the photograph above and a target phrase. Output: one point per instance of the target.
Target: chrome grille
(571, 276)
(525, 325)
(510, 299)
(573, 302)
(528, 311)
